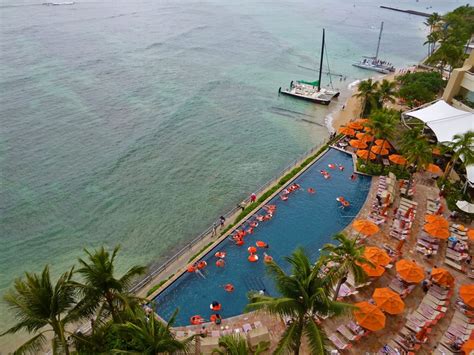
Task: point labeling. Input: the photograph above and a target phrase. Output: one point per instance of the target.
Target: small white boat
(374, 63)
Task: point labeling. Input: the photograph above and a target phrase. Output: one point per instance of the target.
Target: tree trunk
(300, 333)
(59, 331)
(110, 302)
(339, 284)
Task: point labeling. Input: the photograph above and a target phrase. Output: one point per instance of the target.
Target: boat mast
(378, 43)
(321, 63)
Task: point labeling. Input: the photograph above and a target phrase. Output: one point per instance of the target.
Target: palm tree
(305, 293)
(462, 146)
(151, 336)
(237, 345)
(433, 21)
(347, 254)
(101, 289)
(417, 151)
(383, 124)
(42, 307)
(367, 92)
(386, 91)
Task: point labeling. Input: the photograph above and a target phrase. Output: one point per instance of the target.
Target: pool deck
(375, 341)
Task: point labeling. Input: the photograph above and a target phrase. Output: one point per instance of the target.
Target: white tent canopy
(444, 120)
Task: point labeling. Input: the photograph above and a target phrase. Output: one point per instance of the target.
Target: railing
(156, 270)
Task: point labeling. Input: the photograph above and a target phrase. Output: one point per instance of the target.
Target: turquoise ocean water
(140, 122)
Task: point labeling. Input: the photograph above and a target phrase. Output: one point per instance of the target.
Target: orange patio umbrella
(467, 294)
(383, 143)
(361, 120)
(410, 271)
(436, 151)
(367, 129)
(468, 347)
(437, 230)
(355, 125)
(358, 144)
(432, 218)
(397, 159)
(364, 154)
(377, 256)
(377, 149)
(347, 131)
(365, 227)
(369, 316)
(388, 301)
(434, 169)
(442, 276)
(375, 271)
(364, 137)
(470, 234)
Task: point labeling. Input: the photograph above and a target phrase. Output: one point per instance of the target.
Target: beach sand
(353, 106)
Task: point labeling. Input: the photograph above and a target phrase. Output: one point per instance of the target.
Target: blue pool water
(306, 220)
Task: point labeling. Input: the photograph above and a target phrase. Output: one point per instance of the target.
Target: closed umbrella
(347, 131)
(377, 256)
(377, 149)
(432, 218)
(365, 227)
(442, 276)
(397, 159)
(465, 206)
(364, 154)
(434, 169)
(409, 271)
(388, 301)
(466, 292)
(358, 144)
(437, 230)
(383, 143)
(369, 316)
(372, 271)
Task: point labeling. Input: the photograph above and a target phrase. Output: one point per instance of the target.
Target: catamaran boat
(374, 63)
(311, 90)
(58, 3)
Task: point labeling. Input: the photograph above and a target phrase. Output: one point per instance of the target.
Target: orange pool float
(311, 190)
(267, 258)
(191, 268)
(253, 258)
(254, 224)
(239, 242)
(201, 265)
(197, 319)
(261, 244)
(215, 306)
(220, 254)
(220, 263)
(252, 250)
(229, 287)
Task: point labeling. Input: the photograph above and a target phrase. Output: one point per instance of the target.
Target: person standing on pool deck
(253, 198)
(214, 229)
(222, 221)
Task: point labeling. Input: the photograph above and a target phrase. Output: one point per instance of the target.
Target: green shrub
(158, 285)
(375, 169)
(200, 251)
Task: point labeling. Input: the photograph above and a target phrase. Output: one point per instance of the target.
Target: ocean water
(140, 122)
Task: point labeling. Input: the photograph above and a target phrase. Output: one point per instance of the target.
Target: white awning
(444, 120)
(465, 206)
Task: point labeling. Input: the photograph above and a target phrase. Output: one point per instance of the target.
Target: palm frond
(316, 337)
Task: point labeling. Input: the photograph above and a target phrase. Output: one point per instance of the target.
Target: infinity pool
(306, 220)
